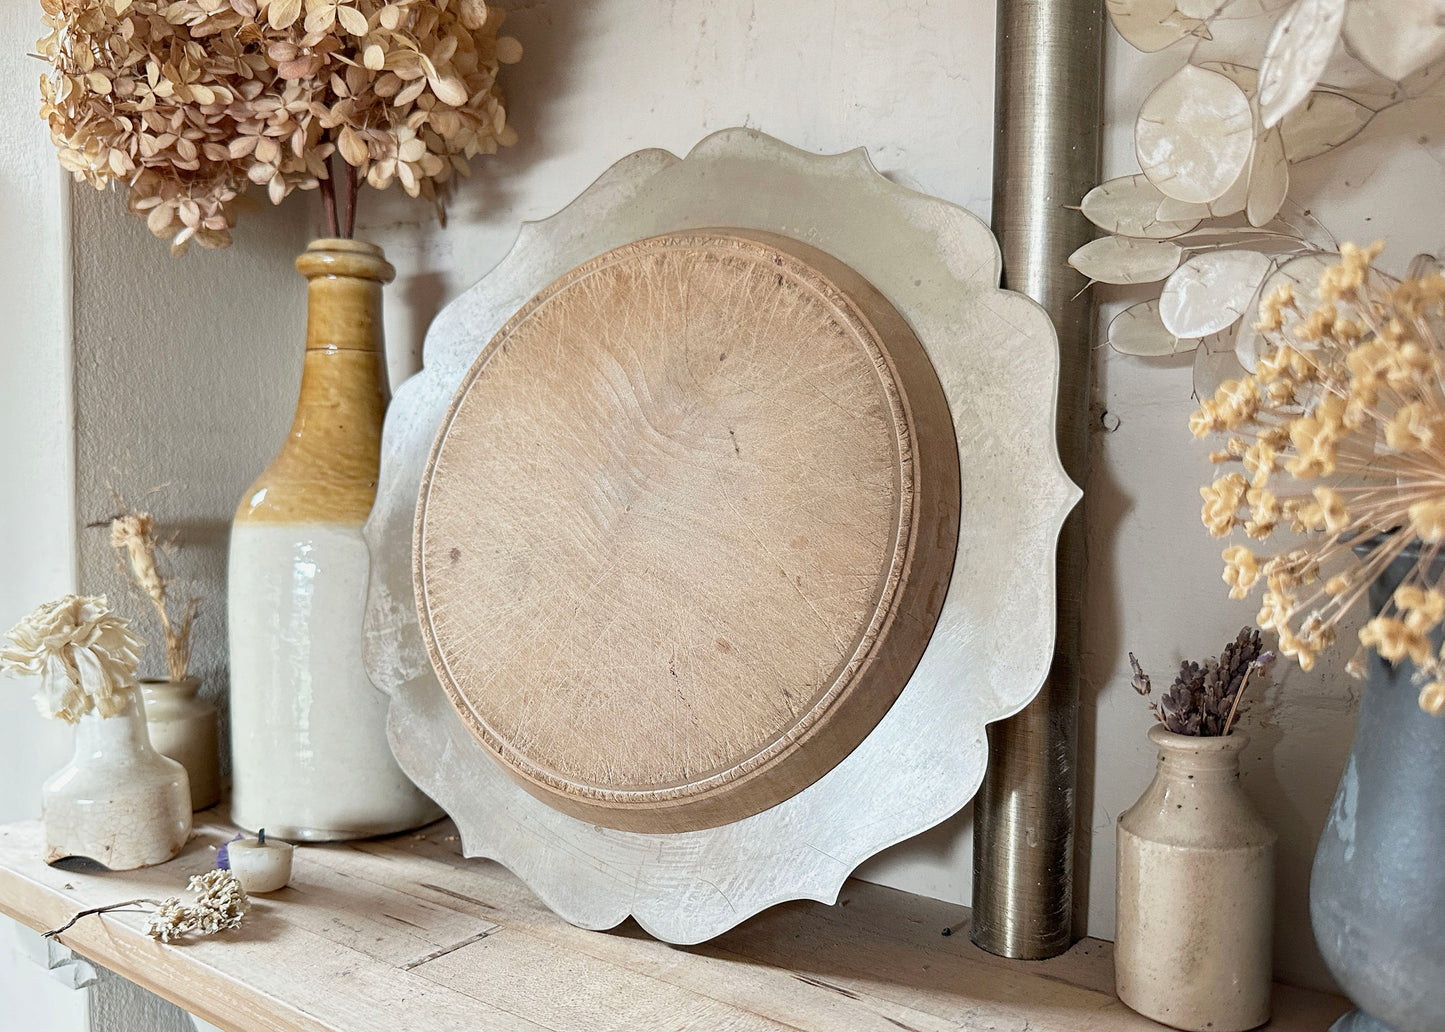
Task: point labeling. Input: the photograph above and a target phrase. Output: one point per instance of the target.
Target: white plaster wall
(185, 371)
(31, 998)
(36, 497)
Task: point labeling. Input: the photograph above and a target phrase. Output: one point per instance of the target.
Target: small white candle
(260, 864)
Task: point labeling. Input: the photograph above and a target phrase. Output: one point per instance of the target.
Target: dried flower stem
(98, 910)
(349, 229)
(1234, 707)
(132, 535)
(328, 203)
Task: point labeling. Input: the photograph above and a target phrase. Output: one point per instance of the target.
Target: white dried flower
(221, 904)
(84, 654)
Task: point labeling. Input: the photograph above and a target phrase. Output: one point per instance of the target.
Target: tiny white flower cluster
(220, 905)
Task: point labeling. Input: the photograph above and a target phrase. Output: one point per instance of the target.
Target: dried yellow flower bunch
(1341, 436)
(187, 102)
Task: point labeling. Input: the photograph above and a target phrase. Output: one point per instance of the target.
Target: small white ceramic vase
(1195, 892)
(183, 727)
(118, 801)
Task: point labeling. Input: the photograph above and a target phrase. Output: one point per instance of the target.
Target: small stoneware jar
(118, 801)
(183, 727)
(1195, 891)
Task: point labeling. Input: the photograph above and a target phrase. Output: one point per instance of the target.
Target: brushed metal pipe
(1046, 156)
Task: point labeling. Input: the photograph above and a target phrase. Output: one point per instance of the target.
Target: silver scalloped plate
(996, 355)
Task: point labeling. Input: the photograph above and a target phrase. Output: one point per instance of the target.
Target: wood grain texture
(994, 354)
(687, 529)
(326, 469)
(404, 933)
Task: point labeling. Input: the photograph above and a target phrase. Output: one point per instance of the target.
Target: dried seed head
(1353, 391)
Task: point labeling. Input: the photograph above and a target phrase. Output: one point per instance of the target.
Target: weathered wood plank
(404, 932)
(273, 975)
(876, 960)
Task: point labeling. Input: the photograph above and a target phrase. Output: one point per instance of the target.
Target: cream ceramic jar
(118, 801)
(1195, 892)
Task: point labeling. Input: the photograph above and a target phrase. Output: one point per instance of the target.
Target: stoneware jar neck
(123, 734)
(344, 294)
(161, 688)
(1198, 758)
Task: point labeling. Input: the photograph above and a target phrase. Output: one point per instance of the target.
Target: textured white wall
(185, 372)
(36, 497)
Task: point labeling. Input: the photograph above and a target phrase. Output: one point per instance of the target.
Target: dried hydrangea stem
(349, 229)
(328, 202)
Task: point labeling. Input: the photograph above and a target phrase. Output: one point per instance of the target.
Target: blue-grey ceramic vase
(1377, 894)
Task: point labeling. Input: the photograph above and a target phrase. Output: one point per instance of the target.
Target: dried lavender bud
(223, 853)
(1202, 699)
(1140, 680)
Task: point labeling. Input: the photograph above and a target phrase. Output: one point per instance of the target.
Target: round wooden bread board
(686, 529)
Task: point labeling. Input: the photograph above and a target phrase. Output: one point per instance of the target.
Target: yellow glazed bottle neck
(343, 295)
(326, 470)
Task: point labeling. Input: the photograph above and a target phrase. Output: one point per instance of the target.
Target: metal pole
(1046, 157)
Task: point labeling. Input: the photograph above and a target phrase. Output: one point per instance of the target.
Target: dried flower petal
(189, 102)
(85, 655)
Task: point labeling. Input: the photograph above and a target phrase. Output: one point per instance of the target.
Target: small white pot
(1195, 892)
(118, 801)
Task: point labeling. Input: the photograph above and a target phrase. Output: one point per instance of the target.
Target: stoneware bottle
(1195, 891)
(118, 801)
(310, 759)
(183, 726)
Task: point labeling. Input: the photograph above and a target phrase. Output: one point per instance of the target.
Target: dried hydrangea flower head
(84, 654)
(189, 102)
(1341, 434)
(132, 535)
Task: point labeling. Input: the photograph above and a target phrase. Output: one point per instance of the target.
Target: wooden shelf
(403, 933)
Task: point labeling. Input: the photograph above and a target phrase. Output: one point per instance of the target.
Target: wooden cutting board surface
(687, 528)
